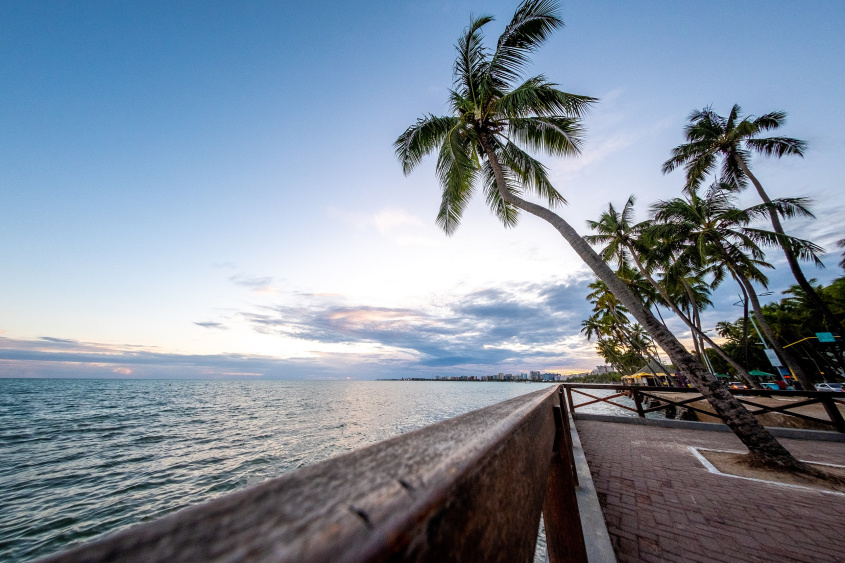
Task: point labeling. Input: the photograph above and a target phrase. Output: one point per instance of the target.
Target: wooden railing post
(563, 415)
(569, 400)
(562, 519)
(833, 413)
(638, 401)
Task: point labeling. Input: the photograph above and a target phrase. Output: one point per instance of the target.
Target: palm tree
(621, 239)
(734, 139)
(480, 143)
(609, 322)
(841, 244)
(715, 234)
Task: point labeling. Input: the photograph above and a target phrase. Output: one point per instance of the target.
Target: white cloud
(388, 220)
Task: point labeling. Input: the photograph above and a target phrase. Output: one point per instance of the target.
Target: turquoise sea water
(81, 458)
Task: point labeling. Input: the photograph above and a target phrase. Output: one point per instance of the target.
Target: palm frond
(504, 211)
(531, 173)
(771, 120)
(554, 135)
(803, 249)
(420, 139)
(536, 96)
(471, 64)
(457, 171)
(532, 23)
(786, 207)
(777, 146)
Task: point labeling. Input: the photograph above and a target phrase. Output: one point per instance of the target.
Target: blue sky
(202, 189)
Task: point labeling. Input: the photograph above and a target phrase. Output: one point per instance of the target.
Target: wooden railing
(471, 488)
(641, 395)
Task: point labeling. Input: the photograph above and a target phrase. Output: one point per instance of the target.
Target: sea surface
(82, 458)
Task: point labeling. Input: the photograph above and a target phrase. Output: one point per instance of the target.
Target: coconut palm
(734, 139)
(841, 244)
(715, 234)
(621, 238)
(494, 120)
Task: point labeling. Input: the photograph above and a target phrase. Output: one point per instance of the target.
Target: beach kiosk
(643, 378)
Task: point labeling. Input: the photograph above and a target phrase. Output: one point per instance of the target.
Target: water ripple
(86, 457)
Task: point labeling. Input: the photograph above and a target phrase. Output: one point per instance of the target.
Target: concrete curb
(596, 537)
(778, 432)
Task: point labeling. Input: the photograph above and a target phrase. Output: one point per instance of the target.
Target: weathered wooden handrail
(827, 399)
(470, 488)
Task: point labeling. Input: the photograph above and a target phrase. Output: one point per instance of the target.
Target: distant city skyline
(209, 190)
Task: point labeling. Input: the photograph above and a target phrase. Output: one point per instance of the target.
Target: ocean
(82, 458)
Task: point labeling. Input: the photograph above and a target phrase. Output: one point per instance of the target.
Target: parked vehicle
(737, 385)
(777, 386)
(834, 387)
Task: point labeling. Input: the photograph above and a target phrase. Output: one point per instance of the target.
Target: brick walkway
(661, 504)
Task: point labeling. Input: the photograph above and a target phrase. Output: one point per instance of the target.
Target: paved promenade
(661, 504)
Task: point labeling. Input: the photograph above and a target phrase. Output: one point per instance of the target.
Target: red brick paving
(661, 504)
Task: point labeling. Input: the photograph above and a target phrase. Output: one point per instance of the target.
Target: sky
(208, 189)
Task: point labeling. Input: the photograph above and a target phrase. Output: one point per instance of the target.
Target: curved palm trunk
(696, 341)
(643, 350)
(742, 371)
(798, 274)
(761, 444)
(785, 355)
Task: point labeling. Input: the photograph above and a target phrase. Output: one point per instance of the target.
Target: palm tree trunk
(696, 342)
(786, 356)
(643, 350)
(830, 319)
(742, 371)
(763, 447)
(697, 319)
(745, 326)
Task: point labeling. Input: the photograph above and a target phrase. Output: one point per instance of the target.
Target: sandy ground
(731, 463)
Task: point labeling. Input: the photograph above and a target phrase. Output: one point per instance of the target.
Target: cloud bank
(511, 328)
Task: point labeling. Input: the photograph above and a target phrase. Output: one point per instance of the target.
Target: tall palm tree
(609, 320)
(480, 142)
(734, 139)
(621, 238)
(841, 244)
(713, 232)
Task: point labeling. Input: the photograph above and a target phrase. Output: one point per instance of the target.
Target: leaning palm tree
(715, 234)
(494, 120)
(841, 244)
(621, 237)
(733, 139)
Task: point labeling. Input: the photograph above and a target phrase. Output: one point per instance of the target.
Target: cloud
(509, 324)
(262, 285)
(391, 219)
(209, 324)
(400, 226)
(513, 327)
(56, 357)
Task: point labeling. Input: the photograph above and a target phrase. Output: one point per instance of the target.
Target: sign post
(773, 358)
(825, 337)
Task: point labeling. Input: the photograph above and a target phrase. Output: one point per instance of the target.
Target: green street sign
(825, 337)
